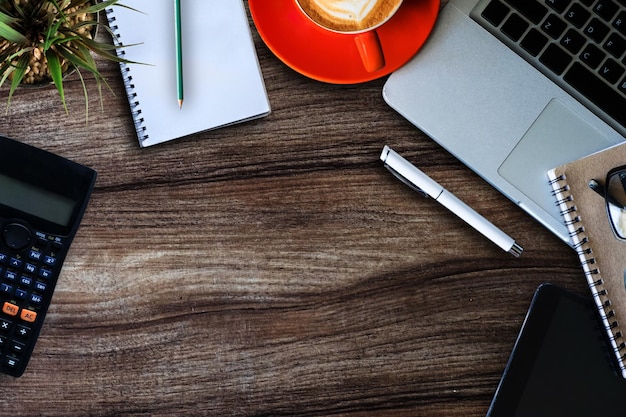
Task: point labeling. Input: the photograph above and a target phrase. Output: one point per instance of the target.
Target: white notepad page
(223, 83)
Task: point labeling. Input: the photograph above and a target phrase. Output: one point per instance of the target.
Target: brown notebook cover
(601, 254)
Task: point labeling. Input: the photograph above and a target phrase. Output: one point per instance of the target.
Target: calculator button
(21, 294)
(3, 258)
(3, 341)
(26, 281)
(16, 236)
(40, 286)
(44, 273)
(28, 315)
(17, 347)
(10, 276)
(5, 288)
(30, 268)
(34, 255)
(10, 309)
(23, 332)
(36, 299)
(49, 260)
(5, 325)
(15, 263)
(11, 362)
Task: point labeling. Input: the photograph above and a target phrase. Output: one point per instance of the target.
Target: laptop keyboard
(580, 44)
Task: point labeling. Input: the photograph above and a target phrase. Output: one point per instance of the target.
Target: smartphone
(561, 364)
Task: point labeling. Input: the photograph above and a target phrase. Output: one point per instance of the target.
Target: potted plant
(42, 40)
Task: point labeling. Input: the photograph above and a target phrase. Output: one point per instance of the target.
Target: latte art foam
(349, 15)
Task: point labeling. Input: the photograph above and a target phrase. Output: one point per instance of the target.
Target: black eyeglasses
(614, 193)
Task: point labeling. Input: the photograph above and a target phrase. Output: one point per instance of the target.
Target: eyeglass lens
(616, 201)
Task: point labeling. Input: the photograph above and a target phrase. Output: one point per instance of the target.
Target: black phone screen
(561, 364)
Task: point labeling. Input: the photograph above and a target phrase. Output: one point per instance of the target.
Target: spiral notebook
(602, 256)
(223, 83)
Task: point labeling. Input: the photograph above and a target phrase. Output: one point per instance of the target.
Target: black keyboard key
(577, 15)
(597, 91)
(620, 23)
(495, 12)
(596, 30)
(553, 26)
(615, 45)
(622, 86)
(558, 5)
(592, 56)
(534, 42)
(555, 59)
(611, 71)
(587, 2)
(514, 27)
(573, 41)
(606, 9)
(532, 9)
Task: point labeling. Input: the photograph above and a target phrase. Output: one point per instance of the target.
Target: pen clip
(405, 181)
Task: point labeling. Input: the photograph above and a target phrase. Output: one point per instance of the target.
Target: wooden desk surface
(274, 267)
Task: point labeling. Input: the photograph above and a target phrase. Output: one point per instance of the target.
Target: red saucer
(332, 57)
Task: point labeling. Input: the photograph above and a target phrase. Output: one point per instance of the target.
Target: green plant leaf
(9, 33)
(54, 66)
(61, 37)
(85, 94)
(18, 74)
(78, 59)
(97, 7)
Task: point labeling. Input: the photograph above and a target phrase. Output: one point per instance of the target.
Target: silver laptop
(497, 85)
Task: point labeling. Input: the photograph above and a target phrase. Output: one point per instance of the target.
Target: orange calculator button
(28, 315)
(10, 309)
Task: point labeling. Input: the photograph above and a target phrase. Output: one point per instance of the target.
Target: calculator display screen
(35, 201)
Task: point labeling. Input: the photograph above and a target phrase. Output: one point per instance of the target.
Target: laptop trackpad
(570, 136)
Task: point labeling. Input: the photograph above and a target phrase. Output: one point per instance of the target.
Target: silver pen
(422, 183)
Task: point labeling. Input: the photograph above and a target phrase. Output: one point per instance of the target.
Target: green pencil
(179, 53)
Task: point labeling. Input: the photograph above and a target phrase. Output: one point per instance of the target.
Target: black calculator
(42, 200)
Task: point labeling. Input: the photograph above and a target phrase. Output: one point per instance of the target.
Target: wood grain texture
(274, 268)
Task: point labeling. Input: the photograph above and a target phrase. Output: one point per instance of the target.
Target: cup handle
(371, 51)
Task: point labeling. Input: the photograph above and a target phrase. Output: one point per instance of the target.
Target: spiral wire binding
(127, 78)
(568, 211)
